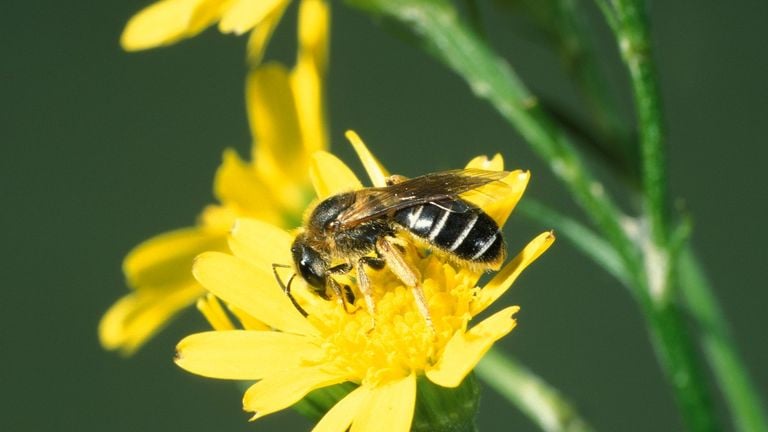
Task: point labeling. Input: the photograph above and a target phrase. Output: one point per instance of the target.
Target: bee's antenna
(287, 288)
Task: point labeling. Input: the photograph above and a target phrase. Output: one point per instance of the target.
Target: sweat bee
(359, 229)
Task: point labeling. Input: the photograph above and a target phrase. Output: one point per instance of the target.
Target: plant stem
(629, 22)
(539, 401)
(634, 45)
(733, 377)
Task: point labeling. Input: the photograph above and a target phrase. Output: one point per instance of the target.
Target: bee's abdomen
(457, 227)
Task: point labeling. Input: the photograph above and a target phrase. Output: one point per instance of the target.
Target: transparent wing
(373, 203)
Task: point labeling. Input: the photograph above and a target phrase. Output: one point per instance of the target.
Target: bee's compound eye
(310, 264)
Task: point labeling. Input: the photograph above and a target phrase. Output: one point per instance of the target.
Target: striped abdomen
(457, 227)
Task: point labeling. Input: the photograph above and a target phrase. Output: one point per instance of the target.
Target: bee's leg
(337, 291)
(406, 273)
(364, 283)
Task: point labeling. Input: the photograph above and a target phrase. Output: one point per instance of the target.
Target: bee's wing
(372, 203)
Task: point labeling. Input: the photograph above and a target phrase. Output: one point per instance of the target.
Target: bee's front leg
(335, 287)
(405, 272)
(364, 283)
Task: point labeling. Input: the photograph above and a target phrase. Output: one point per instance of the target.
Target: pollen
(397, 341)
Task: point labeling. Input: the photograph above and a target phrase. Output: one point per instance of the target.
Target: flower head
(290, 354)
(166, 22)
(288, 124)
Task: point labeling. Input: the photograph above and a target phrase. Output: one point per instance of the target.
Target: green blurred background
(102, 149)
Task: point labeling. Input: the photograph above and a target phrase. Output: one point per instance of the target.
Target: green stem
(634, 45)
(673, 344)
(534, 397)
(676, 353)
(719, 347)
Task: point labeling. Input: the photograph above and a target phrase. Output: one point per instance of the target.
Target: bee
(360, 229)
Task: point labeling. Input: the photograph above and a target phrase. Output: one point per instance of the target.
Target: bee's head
(310, 264)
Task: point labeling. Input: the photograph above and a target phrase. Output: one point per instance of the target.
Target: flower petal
(242, 15)
(211, 309)
(246, 320)
(498, 199)
(496, 163)
(504, 278)
(340, 416)
(260, 243)
(253, 290)
(307, 77)
(376, 171)
(331, 176)
(133, 319)
(243, 354)
(388, 408)
(465, 350)
(314, 23)
(283, 389)
(166, 259)
(307, 84)
(239, 188)
(260, 35)
(168, 21)
(273, 119)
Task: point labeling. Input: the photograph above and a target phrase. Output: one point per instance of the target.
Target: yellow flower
(169, 21)
(290, 354)
(287, 120)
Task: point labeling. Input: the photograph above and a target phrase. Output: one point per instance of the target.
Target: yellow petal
(283, 389)
(133, 319)
(388, 408)
(273, 119)
(307, 77)
(253, 290)
(307, 85)
(260, 35)
(243, 354)
(260, 243)
(166, 259)
(242, 15)
(239, 188)
(506, 277)
(219, 218)
(341, 415)
(496, 163)
(376, 171)
(331, 176)
(314, 23)
(211, 309)
(247, 321)
(500, 208)
(168, 21)
(465, 350)
(498, 199)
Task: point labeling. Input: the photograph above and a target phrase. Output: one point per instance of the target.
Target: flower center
(398, 339)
